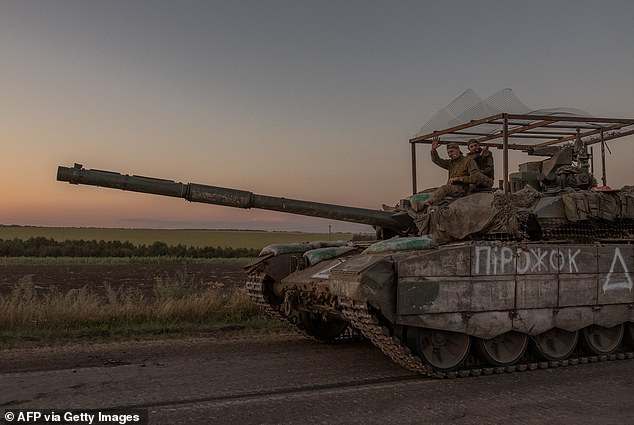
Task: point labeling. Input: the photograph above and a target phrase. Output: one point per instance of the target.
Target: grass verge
(176, 306)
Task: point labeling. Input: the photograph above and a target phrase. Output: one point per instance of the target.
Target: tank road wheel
(599, 340)
(324, 330)
(503, 350)
(555, 344)
(442, 350)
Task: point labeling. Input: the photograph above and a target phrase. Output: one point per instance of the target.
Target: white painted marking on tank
(507, 257)
(553, 262)
(493, 260)
(626, 284)
(539, 256)
(527, 261)
(325, 273)
(572, 261)
(486, 249)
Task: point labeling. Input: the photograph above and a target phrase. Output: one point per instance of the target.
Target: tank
(535, 274)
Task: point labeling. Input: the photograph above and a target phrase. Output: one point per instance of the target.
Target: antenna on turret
(604, 179)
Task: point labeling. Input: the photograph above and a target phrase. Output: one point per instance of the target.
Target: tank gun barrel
(193, 192)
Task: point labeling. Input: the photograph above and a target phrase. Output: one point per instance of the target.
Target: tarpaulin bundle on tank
(605, 213)
(477, 214)
(587, 205)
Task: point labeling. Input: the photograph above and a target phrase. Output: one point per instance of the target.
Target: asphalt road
(284, 379)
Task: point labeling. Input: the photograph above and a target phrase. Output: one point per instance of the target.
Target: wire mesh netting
(524, 129)
(469, 106)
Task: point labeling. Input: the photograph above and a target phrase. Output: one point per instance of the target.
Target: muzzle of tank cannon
(394, 223)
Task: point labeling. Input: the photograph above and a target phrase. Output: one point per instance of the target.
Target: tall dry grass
(178, 304)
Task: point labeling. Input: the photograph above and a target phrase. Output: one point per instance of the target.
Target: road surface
(284, 379)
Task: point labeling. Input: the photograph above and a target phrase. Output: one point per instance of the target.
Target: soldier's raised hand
(435, 141)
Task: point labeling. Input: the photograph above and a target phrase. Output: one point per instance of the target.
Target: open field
(64, 277)
(56, 304)
(196, 238)
(48, 300)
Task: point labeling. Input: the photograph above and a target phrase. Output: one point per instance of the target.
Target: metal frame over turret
(531, 133)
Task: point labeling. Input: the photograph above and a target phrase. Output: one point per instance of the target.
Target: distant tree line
(43, 247)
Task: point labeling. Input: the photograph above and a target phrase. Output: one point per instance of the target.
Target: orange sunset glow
(304, 100)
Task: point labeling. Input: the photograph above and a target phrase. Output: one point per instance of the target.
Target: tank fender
(298, 247)
(280, 260)
(413, 243)
(316, 256)
(367, 279)
(378, 282)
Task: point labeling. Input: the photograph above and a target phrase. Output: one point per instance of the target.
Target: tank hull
(476, 291)
(485, 290)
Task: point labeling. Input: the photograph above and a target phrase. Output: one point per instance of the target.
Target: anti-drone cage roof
(534, 134)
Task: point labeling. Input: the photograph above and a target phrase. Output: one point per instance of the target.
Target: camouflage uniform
(463, 167)
(484, 163)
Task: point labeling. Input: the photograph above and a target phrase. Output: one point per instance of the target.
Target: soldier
(482, 158)
(463, 172)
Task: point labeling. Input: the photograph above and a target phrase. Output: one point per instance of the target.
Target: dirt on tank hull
(491, 304)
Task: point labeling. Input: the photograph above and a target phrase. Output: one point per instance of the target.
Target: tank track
(370, 326)
(255, 290)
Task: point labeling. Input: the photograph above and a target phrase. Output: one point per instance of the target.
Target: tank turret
(387, 223)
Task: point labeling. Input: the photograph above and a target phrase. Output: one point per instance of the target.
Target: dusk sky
(311, 100)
